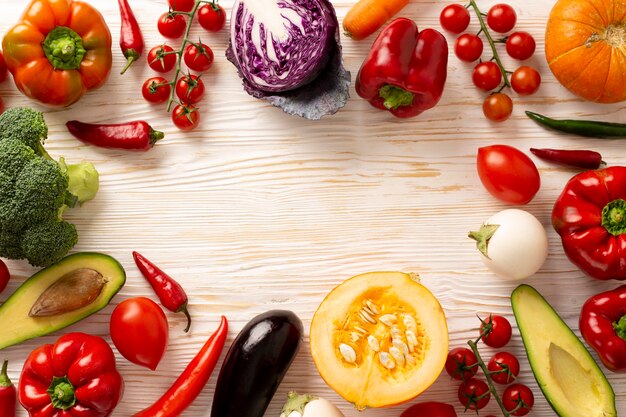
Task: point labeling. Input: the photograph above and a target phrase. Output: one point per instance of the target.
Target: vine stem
(485, 30)
(472, 344)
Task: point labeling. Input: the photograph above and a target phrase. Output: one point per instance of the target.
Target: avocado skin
(564, 333)
(18, 326)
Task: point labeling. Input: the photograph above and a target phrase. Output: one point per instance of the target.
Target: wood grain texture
(258, 210)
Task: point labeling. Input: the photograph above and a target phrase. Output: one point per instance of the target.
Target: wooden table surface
(257, 210)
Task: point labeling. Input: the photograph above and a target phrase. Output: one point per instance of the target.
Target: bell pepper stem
(64, 48)
(5, 382)
(614, 217)
(61, 392)
(620, 327)
(395, 96)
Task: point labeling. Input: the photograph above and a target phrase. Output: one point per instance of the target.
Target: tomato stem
(473, 345)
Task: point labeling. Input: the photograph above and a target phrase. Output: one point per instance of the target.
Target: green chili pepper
(588, 128)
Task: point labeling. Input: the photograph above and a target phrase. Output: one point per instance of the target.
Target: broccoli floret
(48, 242)
(11, 245)
(26, 125)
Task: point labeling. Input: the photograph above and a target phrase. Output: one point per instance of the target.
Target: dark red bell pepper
(406, 69)
(590, 216)
(8, 396)
(74, 377)
(603, 325)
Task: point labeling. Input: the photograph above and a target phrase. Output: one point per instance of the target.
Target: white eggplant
(309, 406)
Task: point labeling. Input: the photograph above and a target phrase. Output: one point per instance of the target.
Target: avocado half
(17, 326)
(567, 374)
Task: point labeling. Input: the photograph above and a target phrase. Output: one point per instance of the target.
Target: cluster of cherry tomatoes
(198, 57)
(503, 368)
(490, 75)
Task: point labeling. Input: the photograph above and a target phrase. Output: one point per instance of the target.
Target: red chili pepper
(137, 135)
(603, 325)
(170, 292)
(5, 275)
(580, 159)
(193, 379)
(8, 394)
(406, 70)
(131, 39)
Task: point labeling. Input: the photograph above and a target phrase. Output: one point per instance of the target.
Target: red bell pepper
(603, 325)
(590, 216)
(75, 377)
(406, 69)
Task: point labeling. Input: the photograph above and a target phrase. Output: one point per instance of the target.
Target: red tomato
(510, 176)
(198, 57)
(525, 81)
(172, 25)
(507, 367)
(501, 18)
(454, 18)
(520, 45)
(156, 90)
(461, 364)
(4, 271)
(519, 397)
(470, 392)
(162, 58)
(182, 5)
(212, 17)
(498, 107)
(468, 47)
(3, 68)
(430, 409)
(487, 75)
(190, 89)
(496, 330)
(139, 331)
(185, 117)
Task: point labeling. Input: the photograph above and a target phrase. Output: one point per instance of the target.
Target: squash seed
(400, 345)
(386, 360)
(348, 353)
(389, 319)
(373, 343)
(410, 323)
(366, 317)
(373, 307)
(411, 339)
(397, 355)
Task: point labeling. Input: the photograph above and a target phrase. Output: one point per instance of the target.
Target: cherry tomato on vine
(518, 396)
(520, 45)
(190, 89)
(501, 18)
(498, 107)
(507, 367)
(182, 5)
(185, 117)
(454, 18)
(3, 68)
(139, 331)
(172, 25)
(156, 90)
(497, 330)
(430, 409)
(461, 364)
(470, 393)
(198, 57)
(468, 47)
(212, 17)
(162, 58)
(487, 75)
(525, 81)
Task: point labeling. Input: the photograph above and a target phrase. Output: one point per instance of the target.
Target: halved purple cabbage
(288, 53)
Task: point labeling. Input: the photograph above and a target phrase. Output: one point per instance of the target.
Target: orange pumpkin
(586, 48)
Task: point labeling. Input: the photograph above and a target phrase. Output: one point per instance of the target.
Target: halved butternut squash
(379, 339)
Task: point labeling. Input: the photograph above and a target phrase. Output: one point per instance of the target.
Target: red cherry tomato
(162, 58)
(520, 45)
(498, 107)
(172, 25)
(156, 90)
(507, 367)
(182, 5)
(501, 18)
(139, 331)
(429, 409)
(212, 17)
(510, 176)
(461, 364)
(4, 271)
(185, 117)
(190, 89)
(525, 81)
(519, 397)
(3, 68)
(470, 392)
(454, 18)
(468, 47)
(487, 75)
(496, 330)
(198, 57)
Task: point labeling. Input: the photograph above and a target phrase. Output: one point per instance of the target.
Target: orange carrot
(367, 16)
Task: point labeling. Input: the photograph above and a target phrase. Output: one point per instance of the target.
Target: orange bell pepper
(58, 51)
